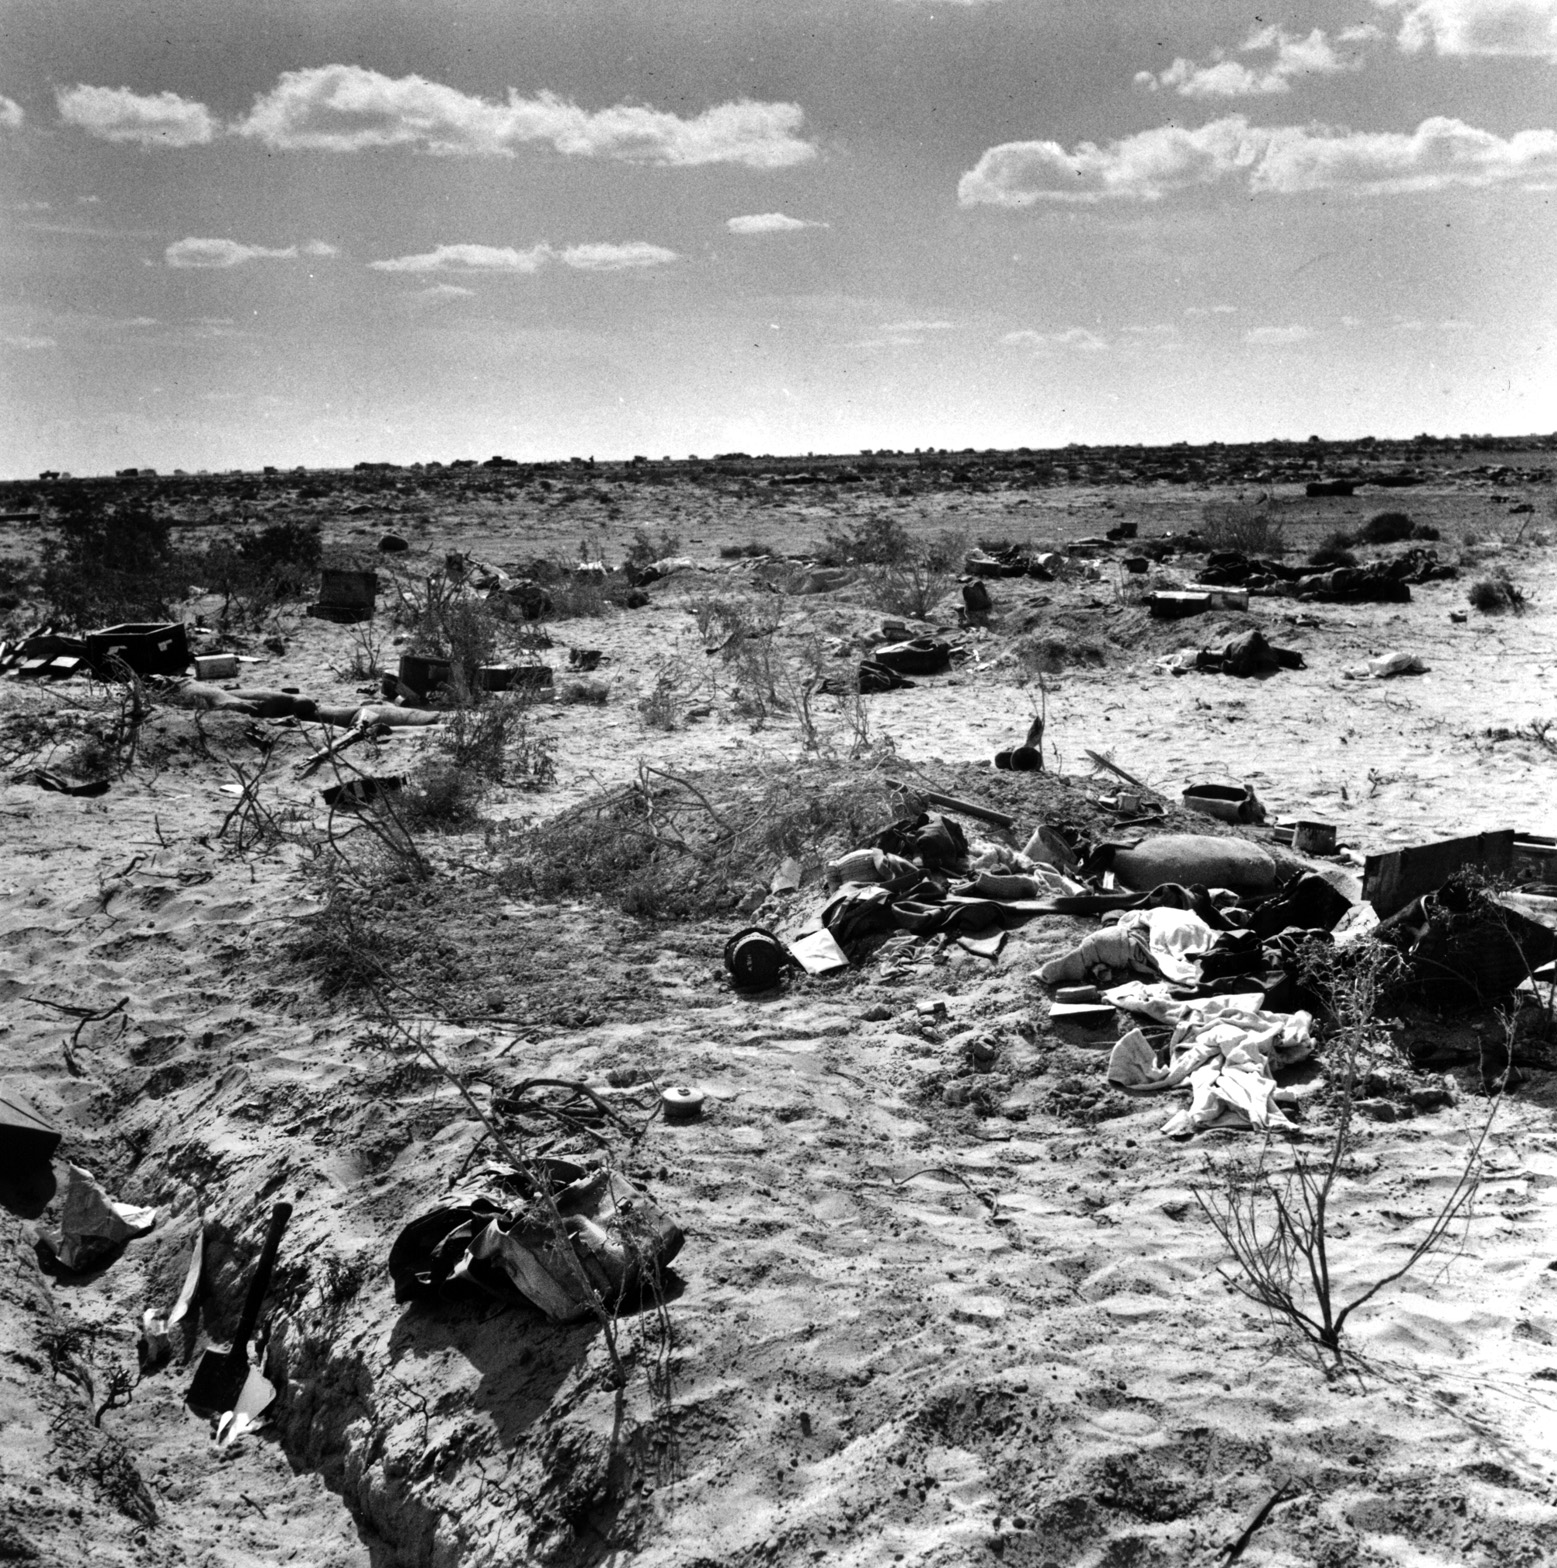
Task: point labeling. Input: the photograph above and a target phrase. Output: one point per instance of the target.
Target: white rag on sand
(1228, 1051)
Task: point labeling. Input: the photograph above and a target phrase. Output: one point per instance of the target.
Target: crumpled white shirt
(1150, 941)
(1227, 1050)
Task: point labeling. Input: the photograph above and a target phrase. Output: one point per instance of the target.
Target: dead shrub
(914, 584)
(105, 563)
(593, 694)
(875, 541)
(1386, 528)
(1492, 595)
(440, 797)
(497, 741)
(645, 549)
(1251, 528)
(1048, 653)
(1278, 1224)
(578, 596)
(343, 948)
(665, 703)
(668, 847)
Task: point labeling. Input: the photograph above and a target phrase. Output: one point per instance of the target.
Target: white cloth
(1227, 1052)
(1173, 938)
(1149, 941)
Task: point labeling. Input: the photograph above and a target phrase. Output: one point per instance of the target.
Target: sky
(317, 232)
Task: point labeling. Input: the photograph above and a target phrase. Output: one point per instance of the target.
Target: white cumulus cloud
(118, 114)
(1281, 159)
(195, 252)
(1478, 27)
(11, 115)
(1277, 337)
(768, 223)
(1075, 338)
(22, 341)
(1292, 57)
(349, 108)
(468, 258)
(615, 258)
(502, 258)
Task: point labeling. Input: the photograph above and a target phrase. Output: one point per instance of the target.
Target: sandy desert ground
(902, 1329)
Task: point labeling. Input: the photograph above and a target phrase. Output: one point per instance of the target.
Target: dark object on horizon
(1321, 487)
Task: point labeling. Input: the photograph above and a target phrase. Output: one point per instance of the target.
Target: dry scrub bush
(366, 644)
(1251, 528)
(1050, 653)
(1278, 1223)
(496, 740)
(874, 541)
(644, 550)
(256, 572)
(1386, 528)
(592, 694)
(667, 847)
(1492, 595)
(105, 562)
(915, 584)
(441, 797)
(577, 596)
(445, 621)
(676, 681)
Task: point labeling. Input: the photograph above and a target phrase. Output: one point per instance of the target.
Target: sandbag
(1194, 858)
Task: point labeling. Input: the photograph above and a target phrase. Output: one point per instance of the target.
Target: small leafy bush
(594, 694)
(105, 562)
(914, 584)
(644, 549)
(1492, 595)
(875, 541)
(1386, 528)
(1249, 528)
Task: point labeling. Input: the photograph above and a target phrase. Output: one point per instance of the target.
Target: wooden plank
(1390, 882)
